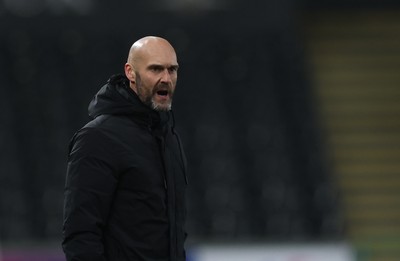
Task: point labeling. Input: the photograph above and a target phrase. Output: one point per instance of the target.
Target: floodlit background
(289, 112)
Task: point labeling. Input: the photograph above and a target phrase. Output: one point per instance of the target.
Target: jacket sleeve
(89, 188)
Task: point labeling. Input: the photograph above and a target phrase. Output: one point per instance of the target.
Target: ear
(130, 73)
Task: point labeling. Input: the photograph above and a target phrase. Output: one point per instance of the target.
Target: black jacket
(125, 184)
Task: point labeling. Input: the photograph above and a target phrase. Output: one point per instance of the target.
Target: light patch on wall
(80, 6)
(30, 8)
(25, 8)
(194, 5)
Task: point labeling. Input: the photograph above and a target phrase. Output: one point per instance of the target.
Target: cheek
(148, 83)
(174, 80)
(151, 82)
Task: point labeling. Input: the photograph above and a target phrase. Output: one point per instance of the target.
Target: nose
(166, 76)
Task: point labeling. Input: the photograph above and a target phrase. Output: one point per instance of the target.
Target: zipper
(161, 145)
(182, 157)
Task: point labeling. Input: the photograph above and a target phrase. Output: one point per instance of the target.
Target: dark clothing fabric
(126, 182)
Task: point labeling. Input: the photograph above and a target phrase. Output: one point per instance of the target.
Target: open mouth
(162, 92)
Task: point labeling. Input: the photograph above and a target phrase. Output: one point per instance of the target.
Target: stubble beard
(147, 96)
(160, 107)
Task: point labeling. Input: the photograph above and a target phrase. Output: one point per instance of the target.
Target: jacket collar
(117, 98)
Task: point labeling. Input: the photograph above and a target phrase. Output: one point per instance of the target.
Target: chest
(150, 161)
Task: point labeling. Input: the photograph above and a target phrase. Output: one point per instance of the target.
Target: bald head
(151, 69)
(149, 45)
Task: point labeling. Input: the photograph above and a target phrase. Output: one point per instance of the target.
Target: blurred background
(289, 112)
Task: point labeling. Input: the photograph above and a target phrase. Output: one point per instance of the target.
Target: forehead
(158, 53)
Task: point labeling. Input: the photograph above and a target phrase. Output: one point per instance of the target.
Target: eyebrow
(159, 66)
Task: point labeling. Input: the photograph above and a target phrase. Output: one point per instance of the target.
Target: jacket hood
(117, 98)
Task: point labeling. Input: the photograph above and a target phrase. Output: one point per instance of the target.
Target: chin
(161, 107)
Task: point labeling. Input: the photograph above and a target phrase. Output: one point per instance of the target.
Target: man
(126, 175)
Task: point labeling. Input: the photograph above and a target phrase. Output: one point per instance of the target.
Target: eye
(173, 69)
(156, 68)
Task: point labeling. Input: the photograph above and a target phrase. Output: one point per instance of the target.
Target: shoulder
(93, 137)
(100, 122)
(112, 123)
(105, 132)
(89, 140)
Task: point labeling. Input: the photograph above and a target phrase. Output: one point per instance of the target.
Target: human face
(155, 85)
(152, 70)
